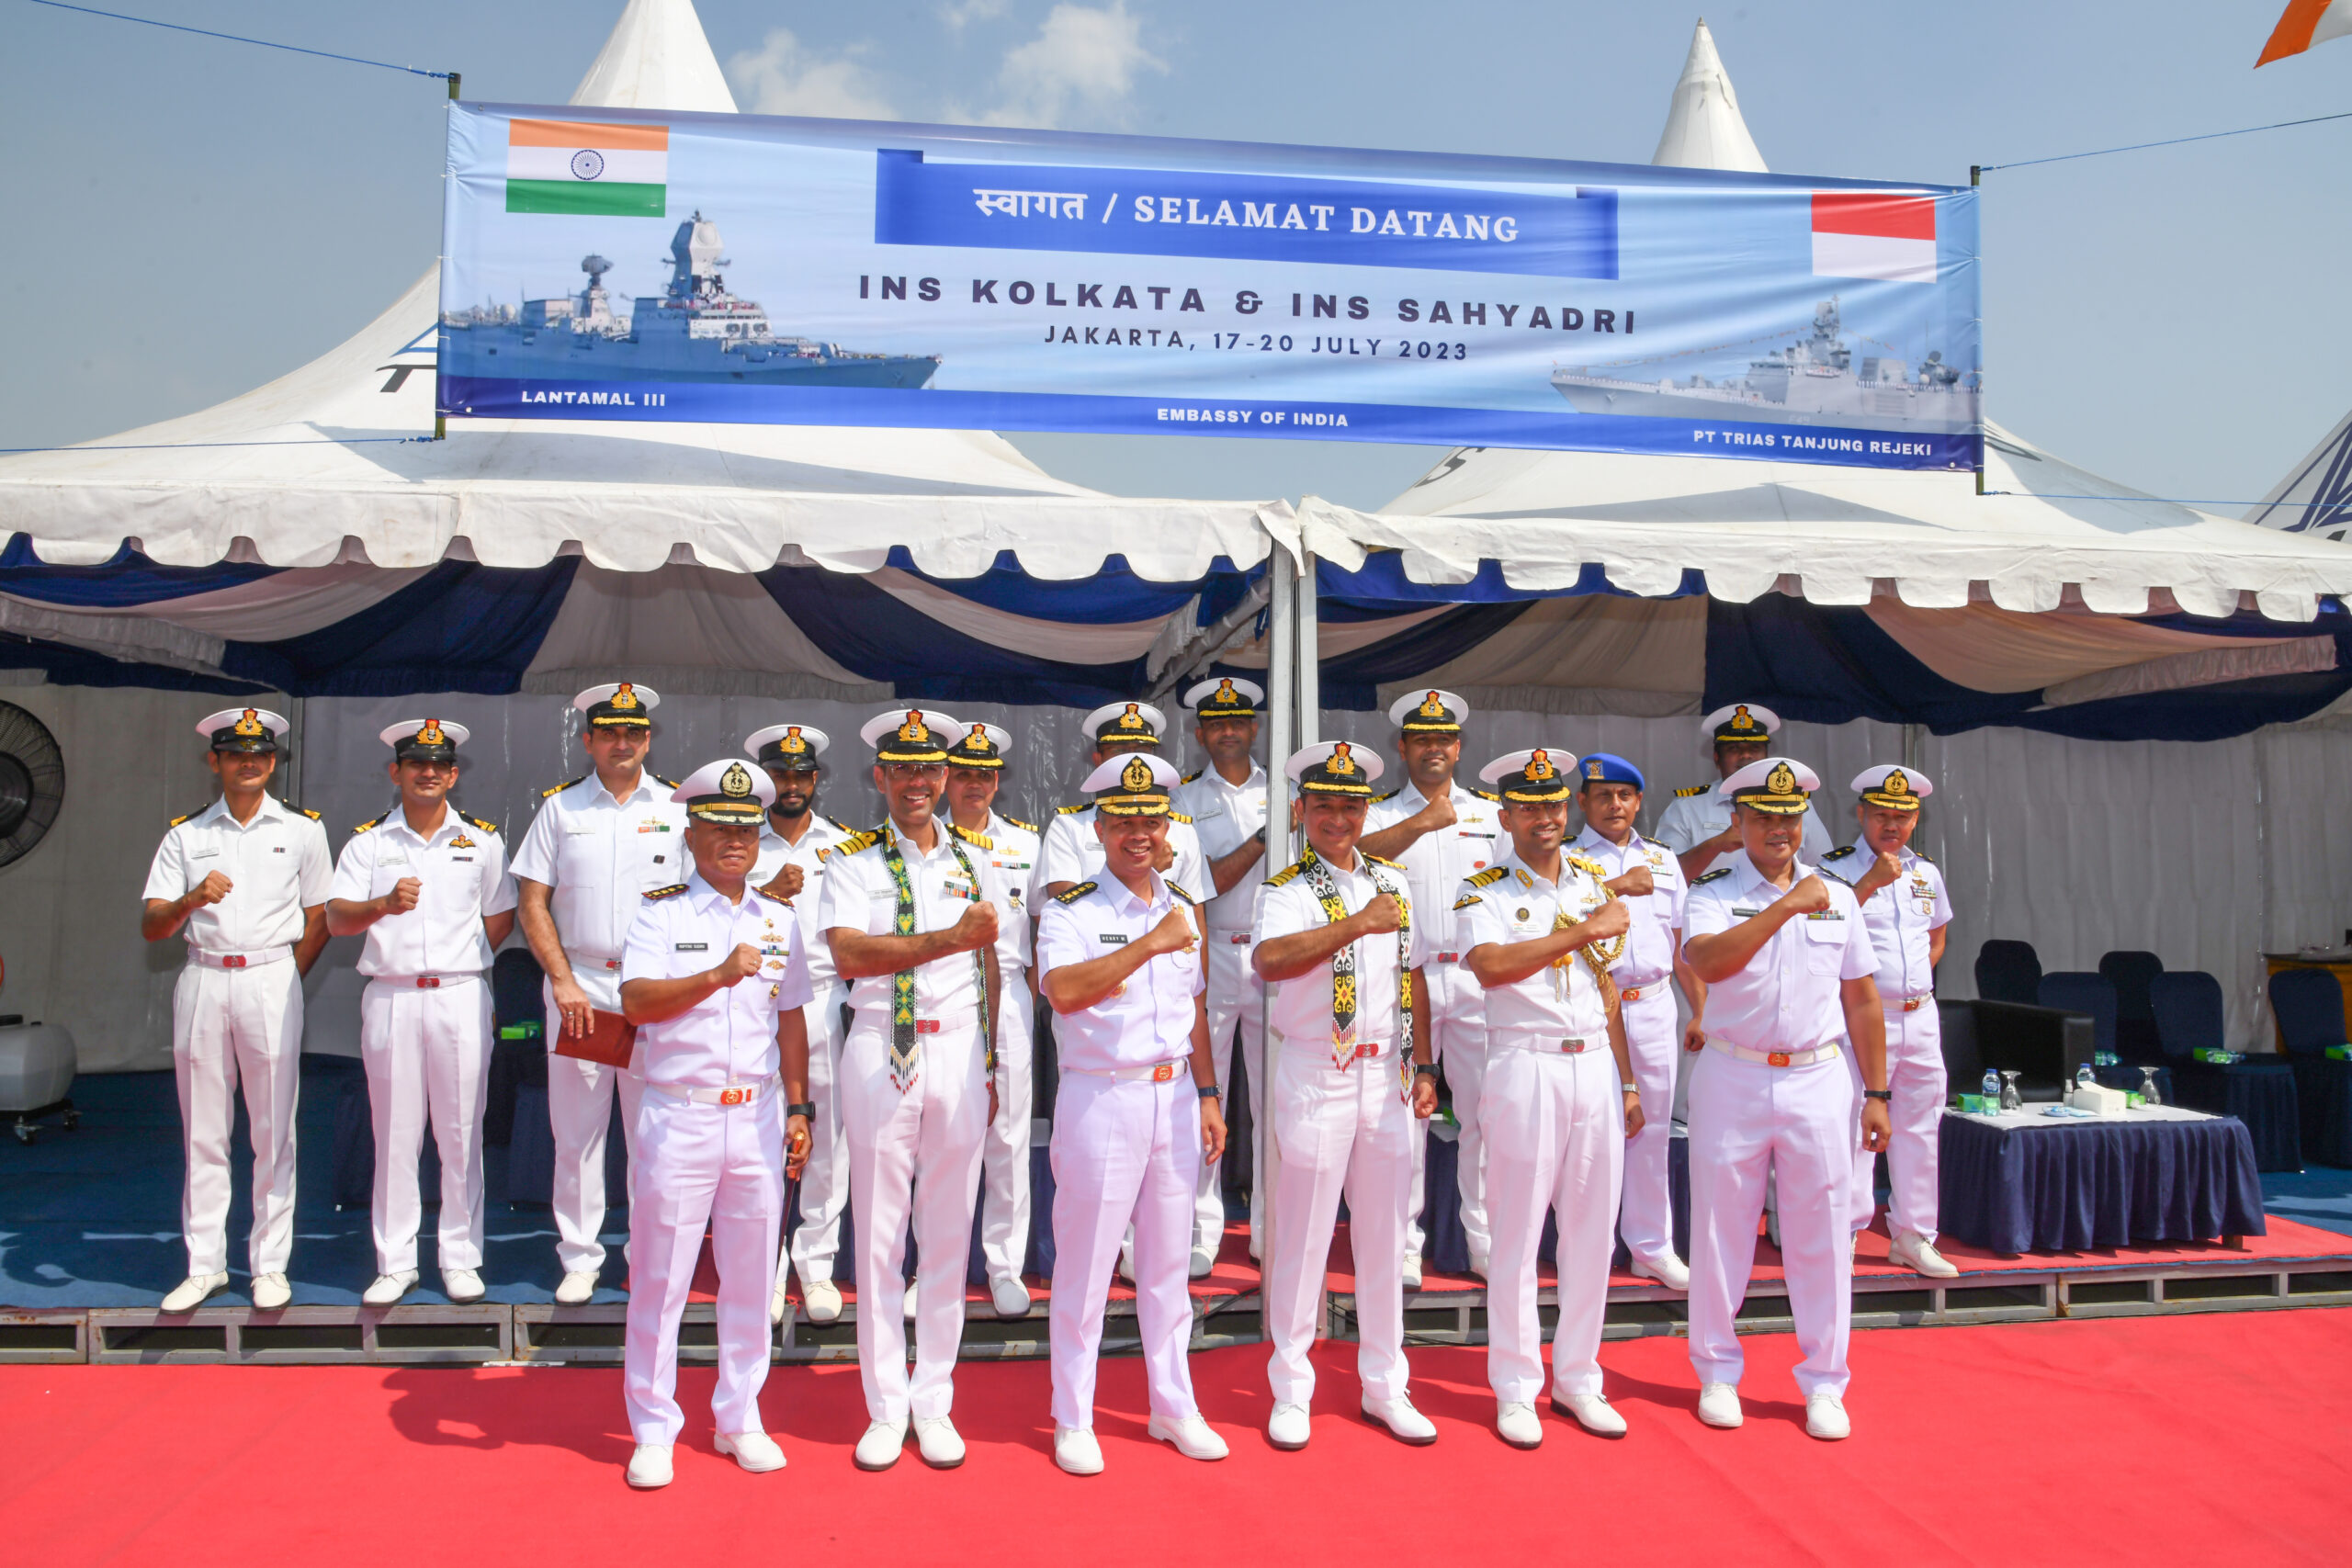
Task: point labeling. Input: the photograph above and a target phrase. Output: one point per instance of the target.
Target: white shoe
(779, 1301)
(1288, 1427)
(389, 1288)
(910, 1303)
(755, 1451)
(1405, 1423)
(648, 1467)
(1517, 1424)
(1127, 1264)
(1202, 1261)
(578, 1285)
(1478, 1263)
(824, 1299)
(878, 1450)
(462, 1286)
(939, 1443)
(1593, 1413)
(1011, 1297)
(1076, 1450)
(191, 1292)
(1193, 1438)
(1917, 1252)
(270, 1293)
(1853, 1245)
(1412, 1271)
(1666, 1268)
(1825, 1417)
(1719, 1405)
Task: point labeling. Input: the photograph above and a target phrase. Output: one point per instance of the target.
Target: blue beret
(1607, 767)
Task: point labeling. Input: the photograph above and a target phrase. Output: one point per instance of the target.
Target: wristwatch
(1425, 1069)
(1885, 1094)
(1633, 1088)
(804, 1108)
(1209, 1091)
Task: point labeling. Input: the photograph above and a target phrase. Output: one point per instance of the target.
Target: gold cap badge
(1131, 719)
(1539, 765)
(430, 734)
(1431, 707)
(1342, 764)
(1780, 780)
(735, 782)
(792, 741)
(625, 698)
(249, 725)
(1137, 777)
(1896, 784)
(914, 731)
(1592, 768)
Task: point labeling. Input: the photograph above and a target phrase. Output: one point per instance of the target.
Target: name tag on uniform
(1115, 938)
(202, 854)
(1745, 914)
(693, 947)
(392, 860)
(580, 832)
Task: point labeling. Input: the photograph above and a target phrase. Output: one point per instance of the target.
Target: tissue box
(2097, 1098)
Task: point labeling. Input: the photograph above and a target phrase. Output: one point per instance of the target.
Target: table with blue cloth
(2023, 1182)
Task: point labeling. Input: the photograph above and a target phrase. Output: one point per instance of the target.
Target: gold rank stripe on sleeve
(1488, 877)
(1025, 826)
(490, 827)
(1072, 895)
(1694, 789)
(670, 892)
(978, 841)
(558, 789)
(1702, 880)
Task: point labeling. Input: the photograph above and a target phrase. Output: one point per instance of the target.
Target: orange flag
(2303, 24)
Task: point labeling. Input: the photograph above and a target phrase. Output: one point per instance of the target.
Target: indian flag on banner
(1888, 237)
(597, 170)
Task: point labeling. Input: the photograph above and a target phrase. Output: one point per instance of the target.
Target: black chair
(2041, 1045)
(2309, 1006)
(2079, 990)
(518, 1052)
(2189, 1017)
(2008, 971)
(2131, 973)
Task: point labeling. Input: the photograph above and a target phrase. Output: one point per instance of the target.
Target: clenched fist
(1439, 813)
(1808, 897)
(1172, 934)
(739, 965)
(1636, 883)
(787, 884)
(976, 928)
(1611, 920)
(211, 890)
(1382, 915)
(403, 896)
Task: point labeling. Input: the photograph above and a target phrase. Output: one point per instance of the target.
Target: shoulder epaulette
(1179, 816)
(1914, 853)
(1378, 860)
(1188, 778)
(670, 892)
(558, 789)
(1390, 795)
(1492, 874)
(978, 841)
(1839, 854)
(1178, 889)
(1292, 869)
(306, 811)
(1702, 880)
(666, 783)
(371, 822)
(766, 895)
(1833, 876)
(1693, 789)
(200, 810)
(485, 827)
(1487, 794)
(1070, 811)
(1599, 872)
(842, 825)
(1073, 894)
(857, 841)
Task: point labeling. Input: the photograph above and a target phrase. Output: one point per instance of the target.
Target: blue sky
(189, 218)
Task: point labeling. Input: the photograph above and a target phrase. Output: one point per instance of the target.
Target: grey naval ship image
(694, 331)
(1811, 382)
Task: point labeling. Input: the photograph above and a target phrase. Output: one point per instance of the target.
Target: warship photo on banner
(625, 265)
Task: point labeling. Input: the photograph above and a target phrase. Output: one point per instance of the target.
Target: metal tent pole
(1307, 642)
(1281, 692)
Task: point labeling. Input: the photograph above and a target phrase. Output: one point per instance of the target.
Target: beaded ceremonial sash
(1343, 965)
(904, 1062)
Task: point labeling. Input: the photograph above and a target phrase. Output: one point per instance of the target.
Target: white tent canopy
(1705, 128)
(2315, 495)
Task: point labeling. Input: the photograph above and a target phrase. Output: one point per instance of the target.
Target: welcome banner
(614, 265)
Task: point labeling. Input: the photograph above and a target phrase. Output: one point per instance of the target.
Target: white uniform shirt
(1302, 1005)
(728, 1037)
(600, 858)
(1648, 957)
(1226, 817)
(861, 897)
(1010, 849)
(1558, 1002)
(1434, 865)
(277, 866)
(1072, 853)
(1688, 818)
(810, 854)
(1788, 998)
(1899, 917)
(462, 868)
(1149, 1019)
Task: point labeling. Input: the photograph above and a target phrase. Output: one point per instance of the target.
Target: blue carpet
(2318, 1195)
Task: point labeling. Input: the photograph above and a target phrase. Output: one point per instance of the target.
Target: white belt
(253, 960)
(591, 960)
(1632, 990)
(1906, 1004)
(1554, 1046)
(733, 1094)
(1159, 1072)
(1776, 1058)
(423, 982)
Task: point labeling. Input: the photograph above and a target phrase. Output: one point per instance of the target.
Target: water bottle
(2085, 1078)
(1992, 1090)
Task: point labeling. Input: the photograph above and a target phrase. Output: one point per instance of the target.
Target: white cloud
(1083, 61)
(784, 77)
(956, 14)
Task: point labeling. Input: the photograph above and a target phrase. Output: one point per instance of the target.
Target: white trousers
(1748, 1118)
(824, 1184)
(427, 1054)
(1915, 1073)
(1236, 997)
(1457, 1039)
(914, 1155)
(579, 1109)
(1555, 1141)
(1122, 1153)
(1337, 1131)
(1654, 1042)
(715, 1166)
(232, 1026)
(1004, 1149)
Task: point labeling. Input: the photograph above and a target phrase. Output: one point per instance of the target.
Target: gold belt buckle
(734, 1096)
(1778, 1058)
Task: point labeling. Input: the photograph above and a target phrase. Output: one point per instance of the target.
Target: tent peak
(1704, 127)
(657, 58)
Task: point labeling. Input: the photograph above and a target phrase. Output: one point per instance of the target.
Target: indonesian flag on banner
(2303, 24)
(599, 171)
(1868, 235)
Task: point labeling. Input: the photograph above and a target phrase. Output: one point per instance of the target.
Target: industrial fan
(32, 782)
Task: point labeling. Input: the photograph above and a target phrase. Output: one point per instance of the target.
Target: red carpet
(2221, 1438)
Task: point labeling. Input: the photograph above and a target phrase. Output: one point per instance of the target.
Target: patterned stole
(905, 1055)
(1343, 963)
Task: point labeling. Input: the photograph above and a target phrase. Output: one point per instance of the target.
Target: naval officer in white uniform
(714, 978)
(428, 887)
(1907, 911)
(246, 880)
(1697, 826)
(1789, 966)
(598, 844)
(1120, 961)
